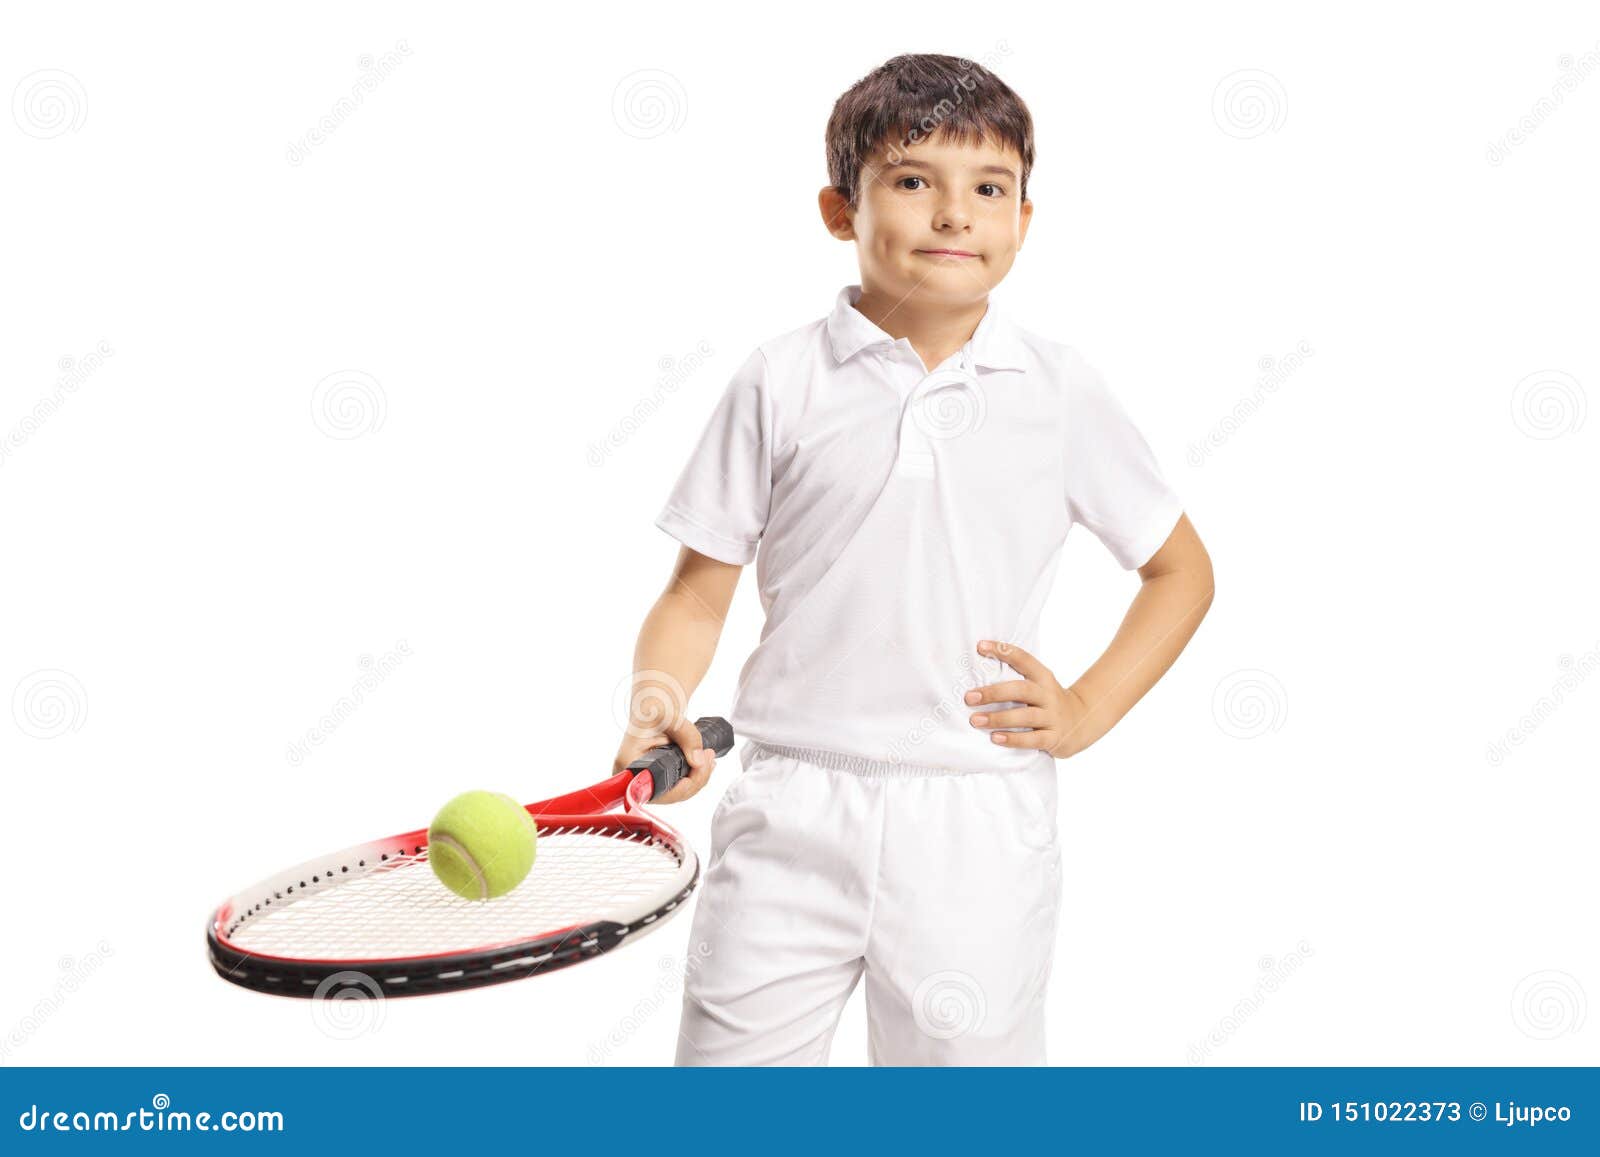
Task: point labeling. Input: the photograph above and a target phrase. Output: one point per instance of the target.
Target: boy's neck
(934, 333)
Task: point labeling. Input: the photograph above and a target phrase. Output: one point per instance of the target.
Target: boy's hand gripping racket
(375, 914)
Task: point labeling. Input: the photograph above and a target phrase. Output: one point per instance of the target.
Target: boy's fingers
(693, 781)
(681, 791)
(687, 736)
(1014, 691)
(1013, 717)
(635, 746)
(1044, 739)
(700, 775)
(1015, 657)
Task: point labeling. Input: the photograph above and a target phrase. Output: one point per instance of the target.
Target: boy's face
(935, 195)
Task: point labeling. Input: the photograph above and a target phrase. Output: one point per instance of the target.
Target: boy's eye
(997, 190)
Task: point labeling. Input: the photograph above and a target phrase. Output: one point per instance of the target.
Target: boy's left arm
(1174, 595)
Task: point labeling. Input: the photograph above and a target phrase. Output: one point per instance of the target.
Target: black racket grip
(667, 765)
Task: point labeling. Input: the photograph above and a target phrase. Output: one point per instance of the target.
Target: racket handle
(667, 765)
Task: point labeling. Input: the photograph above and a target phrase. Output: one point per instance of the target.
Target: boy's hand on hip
(1051, 710)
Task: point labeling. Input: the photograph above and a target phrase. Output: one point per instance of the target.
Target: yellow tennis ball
(482, 844)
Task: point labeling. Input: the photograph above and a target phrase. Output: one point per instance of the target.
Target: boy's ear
(836, 213)
(1026, 210)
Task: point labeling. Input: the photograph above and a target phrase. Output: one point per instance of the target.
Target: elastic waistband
(855, 764)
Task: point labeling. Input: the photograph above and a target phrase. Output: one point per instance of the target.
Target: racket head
(374, 916)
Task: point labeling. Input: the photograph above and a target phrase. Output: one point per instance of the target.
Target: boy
(909, 466)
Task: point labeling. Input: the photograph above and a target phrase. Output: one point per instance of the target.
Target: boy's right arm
(675, 646)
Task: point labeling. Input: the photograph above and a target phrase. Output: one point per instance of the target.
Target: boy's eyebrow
(999, 169)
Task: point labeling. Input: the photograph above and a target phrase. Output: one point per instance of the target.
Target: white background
(1297, 849)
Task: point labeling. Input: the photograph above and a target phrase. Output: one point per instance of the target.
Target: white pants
(944, 888)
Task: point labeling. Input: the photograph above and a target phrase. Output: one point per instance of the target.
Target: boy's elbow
(1184, 559)
(1183, 553)
(1205, 580)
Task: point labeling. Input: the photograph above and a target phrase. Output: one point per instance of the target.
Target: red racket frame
(447, 971)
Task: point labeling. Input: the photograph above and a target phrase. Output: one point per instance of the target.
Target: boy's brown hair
(916, 96)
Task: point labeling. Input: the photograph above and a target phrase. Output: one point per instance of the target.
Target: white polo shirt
(898, 516)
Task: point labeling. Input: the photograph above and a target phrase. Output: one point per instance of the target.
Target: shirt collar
(995, 343)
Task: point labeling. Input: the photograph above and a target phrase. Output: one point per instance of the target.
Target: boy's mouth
(960, 253)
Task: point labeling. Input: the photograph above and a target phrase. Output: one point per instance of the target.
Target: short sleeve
(719, 504)
(1114, 484)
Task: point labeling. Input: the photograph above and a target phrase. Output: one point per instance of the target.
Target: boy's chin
(947, 285)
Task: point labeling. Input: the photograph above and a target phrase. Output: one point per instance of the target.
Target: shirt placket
(914, 457)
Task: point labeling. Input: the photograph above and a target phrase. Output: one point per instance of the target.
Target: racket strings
(582, 873)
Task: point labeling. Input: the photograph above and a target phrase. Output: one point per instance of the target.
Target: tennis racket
(374, 917)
